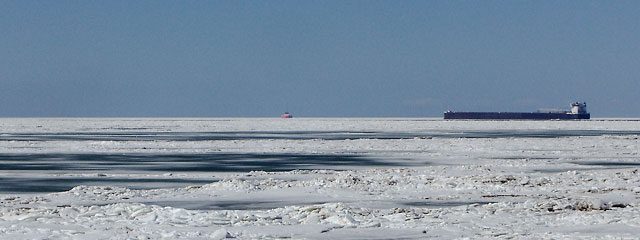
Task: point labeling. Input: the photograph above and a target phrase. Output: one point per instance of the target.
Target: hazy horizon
(316, 58)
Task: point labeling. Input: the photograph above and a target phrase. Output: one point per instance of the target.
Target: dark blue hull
(515, 115)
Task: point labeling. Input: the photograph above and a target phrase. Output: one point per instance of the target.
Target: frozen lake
(318, 178)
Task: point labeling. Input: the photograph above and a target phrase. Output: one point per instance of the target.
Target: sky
(316, 58)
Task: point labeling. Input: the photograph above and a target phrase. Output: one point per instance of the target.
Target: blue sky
(316, 58)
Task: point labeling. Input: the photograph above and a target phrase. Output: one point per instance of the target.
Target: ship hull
(515, 115)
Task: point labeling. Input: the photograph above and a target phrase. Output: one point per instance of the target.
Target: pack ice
(318, 179)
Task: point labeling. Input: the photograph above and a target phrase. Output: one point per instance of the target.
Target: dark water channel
(35, 172)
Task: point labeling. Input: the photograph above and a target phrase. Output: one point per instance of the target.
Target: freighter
(578, 111)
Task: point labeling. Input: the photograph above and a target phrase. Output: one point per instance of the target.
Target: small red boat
(286, 115)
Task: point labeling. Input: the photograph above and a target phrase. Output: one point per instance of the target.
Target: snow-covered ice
(318, 179)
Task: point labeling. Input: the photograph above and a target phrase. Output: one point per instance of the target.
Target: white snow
(410, 178)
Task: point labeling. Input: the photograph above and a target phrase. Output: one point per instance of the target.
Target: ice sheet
(318, 178)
